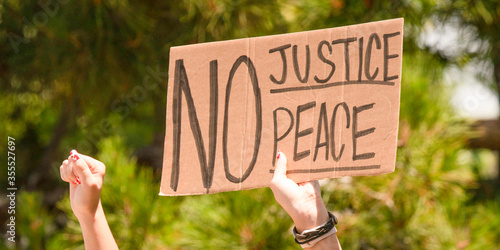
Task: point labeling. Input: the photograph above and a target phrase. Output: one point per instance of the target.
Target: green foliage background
(91, 75)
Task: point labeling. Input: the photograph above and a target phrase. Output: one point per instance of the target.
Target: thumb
(280, 165)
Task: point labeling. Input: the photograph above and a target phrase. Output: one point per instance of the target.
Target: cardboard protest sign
(328, 99)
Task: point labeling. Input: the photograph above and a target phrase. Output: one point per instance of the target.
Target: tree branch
(485, 134)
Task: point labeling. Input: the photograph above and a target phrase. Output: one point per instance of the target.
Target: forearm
(96, 232)
(330, 242)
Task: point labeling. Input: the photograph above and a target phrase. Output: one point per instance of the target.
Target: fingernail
(278, 155)
(74, 155)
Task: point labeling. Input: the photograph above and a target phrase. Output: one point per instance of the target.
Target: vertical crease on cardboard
(342, 97)
(312, 139)
(331, 124)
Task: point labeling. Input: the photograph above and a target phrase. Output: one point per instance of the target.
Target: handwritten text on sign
(327, 98)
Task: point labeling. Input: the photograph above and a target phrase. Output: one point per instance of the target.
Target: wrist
(311, 216)
(309, 238)
(90, 215)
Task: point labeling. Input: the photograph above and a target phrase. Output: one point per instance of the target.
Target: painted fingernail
(74, 155)
(278, 155)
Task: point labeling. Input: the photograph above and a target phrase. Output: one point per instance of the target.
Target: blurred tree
(75, 72)
(94, 68)
(479, 22)
(80, 57)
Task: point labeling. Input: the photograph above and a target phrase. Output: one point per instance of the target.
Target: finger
(69, 173)
(316, 185)
(311, 188)
(311, 184)
(281, 186)
(81, 168)
(280, 170)
(95, 166)
(62, 170)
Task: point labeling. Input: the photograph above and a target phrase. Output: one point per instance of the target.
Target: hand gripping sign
(327, 98)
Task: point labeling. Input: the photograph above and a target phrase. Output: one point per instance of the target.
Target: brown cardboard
(230, 108)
